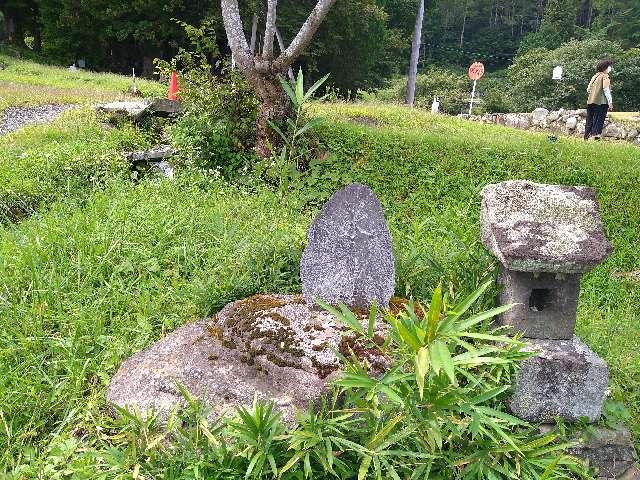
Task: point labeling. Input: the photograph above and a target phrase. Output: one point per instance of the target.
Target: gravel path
(17, 117)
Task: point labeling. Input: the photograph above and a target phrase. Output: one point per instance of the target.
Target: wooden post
(254, 33)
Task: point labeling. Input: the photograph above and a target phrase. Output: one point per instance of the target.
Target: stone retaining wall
(566, 122)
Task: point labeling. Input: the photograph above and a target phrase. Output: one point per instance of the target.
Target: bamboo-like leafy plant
(290, 159)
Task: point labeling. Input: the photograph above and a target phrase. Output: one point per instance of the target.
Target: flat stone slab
(611, 450)
(164, 107)
(157, 153)
(564, 379)
(349, 257)
(273, 346)
(532, 227)
(131, 109)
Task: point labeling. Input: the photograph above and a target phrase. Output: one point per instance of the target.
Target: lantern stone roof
(531, 227)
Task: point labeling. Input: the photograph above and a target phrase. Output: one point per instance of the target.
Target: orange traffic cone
(173, 87)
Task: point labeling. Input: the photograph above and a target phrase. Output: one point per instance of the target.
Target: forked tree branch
(235, 33)
(242, 52)
(270, 29)
(304, 36)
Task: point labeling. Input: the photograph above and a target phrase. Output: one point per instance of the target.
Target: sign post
(476, 71)
(557, 73)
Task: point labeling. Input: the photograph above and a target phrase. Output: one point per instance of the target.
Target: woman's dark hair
(604, 64)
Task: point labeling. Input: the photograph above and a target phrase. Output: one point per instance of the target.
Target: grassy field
(49, 84)
(101, 265)
(628, 118)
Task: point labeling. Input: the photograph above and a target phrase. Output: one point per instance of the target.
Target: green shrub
(494, 93)
(453, 88)
(531, 86)
(218, 130)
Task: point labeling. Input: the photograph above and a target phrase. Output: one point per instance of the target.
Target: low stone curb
(565, 122)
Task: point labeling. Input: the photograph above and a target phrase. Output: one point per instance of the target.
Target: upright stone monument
(545, 237)
(349, 257)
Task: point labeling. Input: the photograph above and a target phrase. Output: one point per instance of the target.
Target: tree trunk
(464, 23)
(263, 70)
(415, 55)
(37, 40)
(275, 106)
(292, 79)
(254, 33)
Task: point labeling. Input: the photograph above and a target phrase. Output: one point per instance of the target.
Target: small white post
(134, 88)
(233, 62)
(473, 94)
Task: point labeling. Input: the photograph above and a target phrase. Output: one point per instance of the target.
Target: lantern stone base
(563, 379)
(610, 450)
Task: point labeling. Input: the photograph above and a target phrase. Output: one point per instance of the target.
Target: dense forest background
(364, 44)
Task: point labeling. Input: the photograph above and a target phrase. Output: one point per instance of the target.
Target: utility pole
(415, 54)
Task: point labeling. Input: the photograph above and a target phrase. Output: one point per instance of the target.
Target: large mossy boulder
(272, 346)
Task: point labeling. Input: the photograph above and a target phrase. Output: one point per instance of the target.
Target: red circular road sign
(476, 71)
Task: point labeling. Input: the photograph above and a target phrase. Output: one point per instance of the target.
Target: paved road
(17, 117)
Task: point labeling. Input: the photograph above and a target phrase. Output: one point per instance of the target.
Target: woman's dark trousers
(596, 115)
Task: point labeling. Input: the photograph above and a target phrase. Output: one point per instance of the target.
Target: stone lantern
(545, 237)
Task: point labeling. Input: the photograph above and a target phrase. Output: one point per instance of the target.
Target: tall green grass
(67, 158)
(50, 84)
(83, 288)
(100, 271)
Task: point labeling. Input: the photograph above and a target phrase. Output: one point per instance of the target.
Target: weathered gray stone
(163, 107)
(532, 227)
(349, 258)
(614, 130)
(610, 450)
(539, 117)
(582, 112)
(155, 159)
(157, 153)
(164, 168)
(582, 126)
(571, 123)
(133, 109)
(517, 120)
(632, 133)
(273, 346)
(554, 116)
(564, 379)
(546, 303)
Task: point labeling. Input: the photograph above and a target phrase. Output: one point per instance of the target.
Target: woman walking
(599, 100)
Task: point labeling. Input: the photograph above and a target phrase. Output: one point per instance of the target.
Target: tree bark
(464, 23)
(415, 55)
(275, 107)
(263, 71)
(269, 29)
